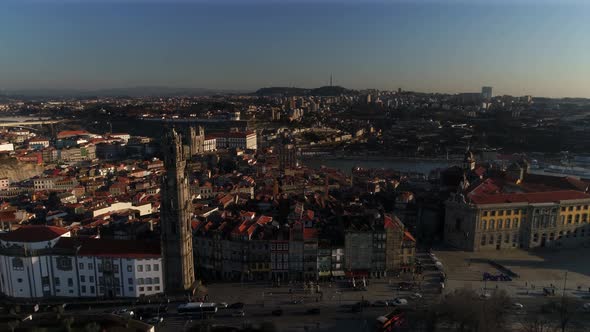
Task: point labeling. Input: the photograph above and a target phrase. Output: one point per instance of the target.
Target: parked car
(237, 305)
(155, 320)
(380, 303)
(416, 296)
(277, 312)
(313, 311)
(222, 305)
(399, 302)
(517, 305)
(238, 313)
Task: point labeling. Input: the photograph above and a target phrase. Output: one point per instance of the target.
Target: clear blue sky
(447, 46)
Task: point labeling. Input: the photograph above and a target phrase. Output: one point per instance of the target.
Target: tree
(567, 311)
(537, 324)
(13, 324)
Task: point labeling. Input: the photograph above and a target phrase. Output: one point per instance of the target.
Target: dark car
(237, 305)
(277, 312)
(313, 311)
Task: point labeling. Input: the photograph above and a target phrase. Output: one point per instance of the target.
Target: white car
(416, 296)
(485, 296)
(222, 305)
(399, 302)
(517, 305)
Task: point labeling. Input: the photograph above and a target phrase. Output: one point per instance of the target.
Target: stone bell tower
(175, 218)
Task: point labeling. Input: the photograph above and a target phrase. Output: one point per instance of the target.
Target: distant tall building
(196, 140)
(486, 92)
(287, 156)
(175, 218)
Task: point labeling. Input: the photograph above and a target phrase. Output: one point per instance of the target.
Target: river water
(404, 165)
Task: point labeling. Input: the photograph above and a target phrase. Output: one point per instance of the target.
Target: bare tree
(537, 324)
(567, 311)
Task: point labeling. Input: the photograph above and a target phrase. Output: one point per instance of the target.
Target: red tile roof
(538, 197)
(71, 133)
(33, 234)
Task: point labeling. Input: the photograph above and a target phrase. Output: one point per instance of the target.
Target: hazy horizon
(526, 48)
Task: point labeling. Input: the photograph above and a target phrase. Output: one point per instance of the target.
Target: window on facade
(81, 266)
(563, 220)
(115, 268)
(483, 240)
(100, 280)
(499, 223)
(91, 278)
(563, 209)
(56, 281)
(491, 239)
(129, 268)
(148, 268)
(570, 208)
(508, 212)
(492, 213)
(492, 224)
(130, 281)
(157, 288)
(141, 289)
(585, 217)
(64, 263)
(148, 281)
(139, 268)
(82, 278)
(19, 280)
(507, 223)
(91, 289)
(18, 264)
(90, 266)
(577, 218)
(83, 288)
(514, 238)
(156, 280)
(569, 219)
(507, 238)
(149, 288)
(536, 237)
(131, 289)
(156, 267)
(501, 213)
(484, 224)
(578, 208)
(140, 281)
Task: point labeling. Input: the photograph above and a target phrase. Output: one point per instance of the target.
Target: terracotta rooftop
(33, 234)
(538, 197)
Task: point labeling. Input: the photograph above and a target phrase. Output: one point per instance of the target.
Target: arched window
(499, 223)
(507, 223)
(484, 224)
(492, 224)
(515, 223)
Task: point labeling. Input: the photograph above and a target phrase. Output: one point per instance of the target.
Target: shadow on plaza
(570, 260)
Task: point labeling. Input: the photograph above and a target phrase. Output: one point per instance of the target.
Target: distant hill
(145, 91)
(322, 91)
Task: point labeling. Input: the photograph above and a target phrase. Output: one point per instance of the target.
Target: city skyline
(447, 47)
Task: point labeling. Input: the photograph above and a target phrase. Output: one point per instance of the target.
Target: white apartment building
(239, 140)
(44, 261)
